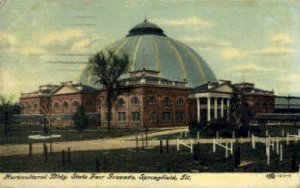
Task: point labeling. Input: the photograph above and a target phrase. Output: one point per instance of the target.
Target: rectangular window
(121, 116)
(166, 116)
(180, 116)
(152, 117)
(135, 116)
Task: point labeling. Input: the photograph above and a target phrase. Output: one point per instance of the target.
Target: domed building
(167, 84)
(157, 90)
(148, 47)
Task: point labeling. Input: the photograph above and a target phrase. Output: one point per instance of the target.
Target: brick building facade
(145, 100)
(257, 100)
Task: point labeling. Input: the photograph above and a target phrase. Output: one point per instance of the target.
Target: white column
(208, 108)
(216, 108)
(227, 109)
(198, 109)
(222, 107)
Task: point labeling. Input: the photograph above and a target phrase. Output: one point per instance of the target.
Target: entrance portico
(215, 105)
(212, 101)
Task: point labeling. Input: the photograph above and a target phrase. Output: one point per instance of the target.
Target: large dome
(148, 47)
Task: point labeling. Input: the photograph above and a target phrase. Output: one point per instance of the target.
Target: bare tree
(107, 68)
(149, 116)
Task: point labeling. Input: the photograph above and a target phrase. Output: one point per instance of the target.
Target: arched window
(66, 105)
(151, 100)
(56, 106)
(88, 104)
(28, 106)
(180, 102)
(120, 102)
(166, 101)
(75, 104)
(135, 100)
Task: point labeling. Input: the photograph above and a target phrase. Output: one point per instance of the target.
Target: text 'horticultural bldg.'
(167, 84)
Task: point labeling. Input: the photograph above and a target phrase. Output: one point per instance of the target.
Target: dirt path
(98, 144)
(108, 143)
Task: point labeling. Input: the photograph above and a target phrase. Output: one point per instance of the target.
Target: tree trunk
(109, 108)
(6, 123)
(109, 118)
(45, 124)
(6, 128)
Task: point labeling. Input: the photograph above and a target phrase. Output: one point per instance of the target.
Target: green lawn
(19, 134)
(150, 160)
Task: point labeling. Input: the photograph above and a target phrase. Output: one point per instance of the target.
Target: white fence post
(268, 154)
(281, 152)
(214, 145)
(233, 134)
(267, 133)
(217, 134)
(298, 132)
(197, 135)
(277, 145)
(226, 150)
(282, 132)
(253, 141)
(267, 146)
(191, 148)
(177, 143)
(185, 134)
(248, 134)
(180, 134)
(231, 147)
(287, 138)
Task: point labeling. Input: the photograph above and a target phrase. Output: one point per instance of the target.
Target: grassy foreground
(151, 160)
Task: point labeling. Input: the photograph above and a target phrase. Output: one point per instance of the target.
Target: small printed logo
(270, 176)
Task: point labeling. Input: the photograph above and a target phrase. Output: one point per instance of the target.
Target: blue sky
(49, 41)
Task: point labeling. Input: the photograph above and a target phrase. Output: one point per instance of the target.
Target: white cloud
(282, 38)
(289, 78)
(31, 51)
(229, 53)
(205, 42)
(191, 21)
(62, 36)
(7, 40)
(273, 51)
(251, 67)
(193, 38)
(83, 45)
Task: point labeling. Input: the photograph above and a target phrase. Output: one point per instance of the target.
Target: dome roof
(148, 47)
(146, 28)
